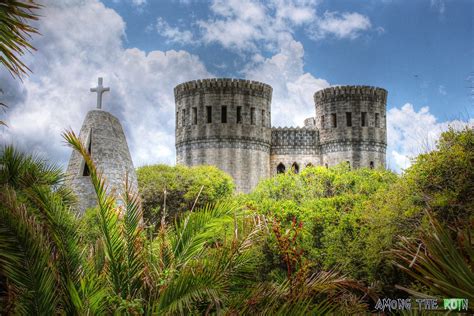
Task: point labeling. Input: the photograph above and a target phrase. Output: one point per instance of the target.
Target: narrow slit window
(322, 121)
(377, 120)
(263, 117)
(349, 119)
(224, 114)
(363, 119)
(239, 115)
(183, 117)
(334, 120)
(208, 114)
(86, 172)
(195, 116)
(371, 165)
(252, 116)
(177, 118)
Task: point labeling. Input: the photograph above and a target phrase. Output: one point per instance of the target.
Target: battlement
(294, 137)
(350, 93)
(230, 85)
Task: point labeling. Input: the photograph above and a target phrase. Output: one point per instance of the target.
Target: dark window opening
(363, 119)
(349, 119)
(348, 164)
(177, 117)
(334, 120)
(322, 121)
(195, 116)
(208, 114)
(295, 168)
(183, 118)
(263, 117)
(224, 114)
(309, 165)
(252, 116)
(281, 168)
(86, 172)
(326, 165)
(239, 115)
(371, 165)
(377, 121)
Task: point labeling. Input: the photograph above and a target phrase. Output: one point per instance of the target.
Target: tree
(177, 188)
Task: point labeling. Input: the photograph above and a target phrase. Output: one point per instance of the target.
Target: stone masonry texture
(103, 135)
(227, 123)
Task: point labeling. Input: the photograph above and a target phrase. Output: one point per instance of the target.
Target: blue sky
(421, 51)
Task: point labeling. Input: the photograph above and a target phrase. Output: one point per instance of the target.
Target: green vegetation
(322, 241)
(176, 189)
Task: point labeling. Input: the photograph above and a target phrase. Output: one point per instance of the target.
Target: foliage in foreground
(175, 189)
(15, 30)
(205, 263)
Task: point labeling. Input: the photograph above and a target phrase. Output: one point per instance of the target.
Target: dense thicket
(324, 240)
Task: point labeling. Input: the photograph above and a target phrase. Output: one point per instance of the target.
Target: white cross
(99, 89)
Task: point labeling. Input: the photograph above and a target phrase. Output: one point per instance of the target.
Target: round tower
(225, 123)
(352, 125)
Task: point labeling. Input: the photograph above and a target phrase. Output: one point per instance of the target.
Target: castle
(227, 123)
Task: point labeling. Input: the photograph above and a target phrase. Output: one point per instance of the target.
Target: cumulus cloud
(174, 34)
(249, 25)
(80, 42)
(340, 25)
(293, 88)
(411, 132)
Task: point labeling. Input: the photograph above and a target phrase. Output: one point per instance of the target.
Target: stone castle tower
(227, 123)
(103, 136)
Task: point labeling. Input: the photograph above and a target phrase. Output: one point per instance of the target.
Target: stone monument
(103, 136)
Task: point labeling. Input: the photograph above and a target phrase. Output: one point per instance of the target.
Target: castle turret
(225, 123)
(352, 125)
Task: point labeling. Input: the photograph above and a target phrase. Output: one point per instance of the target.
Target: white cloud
(293, 89)
(250, 25)
(80, 42)
(340, 25)
(411, 132)
(174, 34)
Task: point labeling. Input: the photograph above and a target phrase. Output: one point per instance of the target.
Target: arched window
(281, 168)
(295, 168)
(371, 165)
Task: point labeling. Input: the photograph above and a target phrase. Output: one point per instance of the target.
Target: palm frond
(30, 267)
(444, 265)
(15, 32)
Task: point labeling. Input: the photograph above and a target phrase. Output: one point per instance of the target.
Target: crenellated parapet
(223, 85)
(355, 93)
(294, 140)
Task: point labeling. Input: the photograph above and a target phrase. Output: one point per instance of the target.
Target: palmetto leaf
(15, 32)
(441, 263)
(26, 260)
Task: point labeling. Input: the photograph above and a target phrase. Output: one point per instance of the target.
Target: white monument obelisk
(103, 136)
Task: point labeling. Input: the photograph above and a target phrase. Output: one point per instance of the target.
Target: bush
(182, 185)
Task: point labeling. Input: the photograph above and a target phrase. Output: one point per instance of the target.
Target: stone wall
(103, 135)
(238, 141)
(295, 148)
